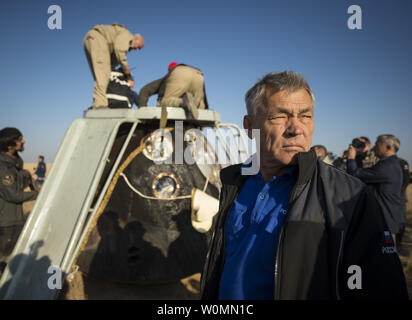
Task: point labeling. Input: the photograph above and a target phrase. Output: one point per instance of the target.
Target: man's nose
(294, 127)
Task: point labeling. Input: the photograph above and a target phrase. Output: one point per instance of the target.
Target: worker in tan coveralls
(106, 47)
(183, 86)
(184, 79)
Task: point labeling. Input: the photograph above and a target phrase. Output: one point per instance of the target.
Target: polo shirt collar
(290, 173)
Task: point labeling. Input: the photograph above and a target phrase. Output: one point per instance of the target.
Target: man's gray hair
(286, 80)
(391, 140)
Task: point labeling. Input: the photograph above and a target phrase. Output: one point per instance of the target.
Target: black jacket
(406, 179)
(333, 222)
(385, 179)
(158, 87)
(12, 193)
(119, 94)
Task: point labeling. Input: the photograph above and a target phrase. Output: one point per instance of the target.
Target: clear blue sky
(361, 78)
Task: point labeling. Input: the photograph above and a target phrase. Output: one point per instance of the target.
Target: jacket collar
(394, 156)
(306, 166)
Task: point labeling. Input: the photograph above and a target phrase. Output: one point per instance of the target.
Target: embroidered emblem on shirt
(283, 211)
(7, 180)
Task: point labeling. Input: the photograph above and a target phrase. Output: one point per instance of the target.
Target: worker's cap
(172, 65)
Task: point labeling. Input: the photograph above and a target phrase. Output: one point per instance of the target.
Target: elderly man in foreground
(299, 228)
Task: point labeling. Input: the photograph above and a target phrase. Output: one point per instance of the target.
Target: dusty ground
(31, 167)
(84, 287)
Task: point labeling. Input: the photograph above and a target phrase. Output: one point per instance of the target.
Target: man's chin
(290, 161)
(286, 161)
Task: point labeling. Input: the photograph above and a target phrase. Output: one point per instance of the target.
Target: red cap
(172, 65)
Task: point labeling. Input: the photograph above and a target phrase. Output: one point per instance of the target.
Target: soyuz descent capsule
(125, 201)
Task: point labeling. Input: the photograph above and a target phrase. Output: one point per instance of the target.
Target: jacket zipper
(278, 250)
(338, 264)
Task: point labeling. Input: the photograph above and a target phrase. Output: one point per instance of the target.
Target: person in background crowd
(322, 153)
(340, 163)
(365, 156)
(40, 173)
(12, 193)
(385, 179)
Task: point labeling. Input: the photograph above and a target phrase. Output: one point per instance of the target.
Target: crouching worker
(183, 86)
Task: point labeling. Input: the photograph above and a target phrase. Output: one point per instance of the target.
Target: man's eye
(307, 116)
(281, 116)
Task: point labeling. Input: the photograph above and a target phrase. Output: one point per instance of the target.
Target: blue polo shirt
(252, 233)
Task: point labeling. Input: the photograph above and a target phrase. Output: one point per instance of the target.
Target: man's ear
(247, 124)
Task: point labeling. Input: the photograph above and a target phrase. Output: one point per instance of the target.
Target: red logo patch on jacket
(388, 237)
(389, 246)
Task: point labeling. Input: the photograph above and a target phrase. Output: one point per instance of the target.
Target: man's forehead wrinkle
(284, 95)
(292, 100)
(299, 104)
(290, 108)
